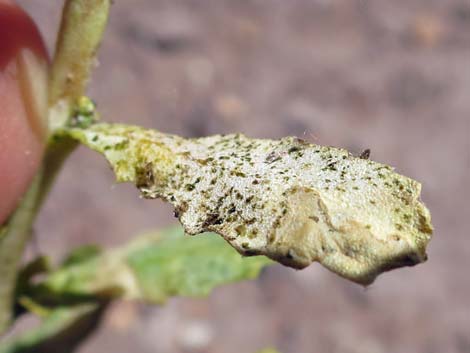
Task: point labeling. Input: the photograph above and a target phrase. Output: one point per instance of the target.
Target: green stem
(11, 247)
(81, 31)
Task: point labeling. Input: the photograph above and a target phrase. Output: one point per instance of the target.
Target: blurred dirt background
(393, 76)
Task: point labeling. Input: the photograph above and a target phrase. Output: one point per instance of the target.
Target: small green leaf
(154, 267)
(189, 266)
(61, 331)
(81, 254)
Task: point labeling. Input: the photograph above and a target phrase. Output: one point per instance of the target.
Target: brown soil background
(393, 76)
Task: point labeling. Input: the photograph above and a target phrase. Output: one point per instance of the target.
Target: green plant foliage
(60, 331)
(152, 268)
(81, 254)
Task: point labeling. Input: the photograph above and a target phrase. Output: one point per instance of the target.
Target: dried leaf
(292, 201)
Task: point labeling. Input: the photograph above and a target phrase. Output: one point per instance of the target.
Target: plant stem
(81, 31)
(11, 248)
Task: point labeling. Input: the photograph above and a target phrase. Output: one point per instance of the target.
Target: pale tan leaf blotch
(290, 200)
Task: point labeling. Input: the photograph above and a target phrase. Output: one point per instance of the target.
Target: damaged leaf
(290, 200)
(152, 268)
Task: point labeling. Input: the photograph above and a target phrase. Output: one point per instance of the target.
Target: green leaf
(290, 200)
(61, 331)
(154, 267)
(81, 254)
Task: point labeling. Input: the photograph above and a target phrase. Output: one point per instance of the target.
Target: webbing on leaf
(290, 200)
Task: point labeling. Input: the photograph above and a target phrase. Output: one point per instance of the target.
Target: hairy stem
(81, 31)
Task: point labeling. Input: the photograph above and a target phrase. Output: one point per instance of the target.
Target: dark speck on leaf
(272, 157)
(365, 154)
